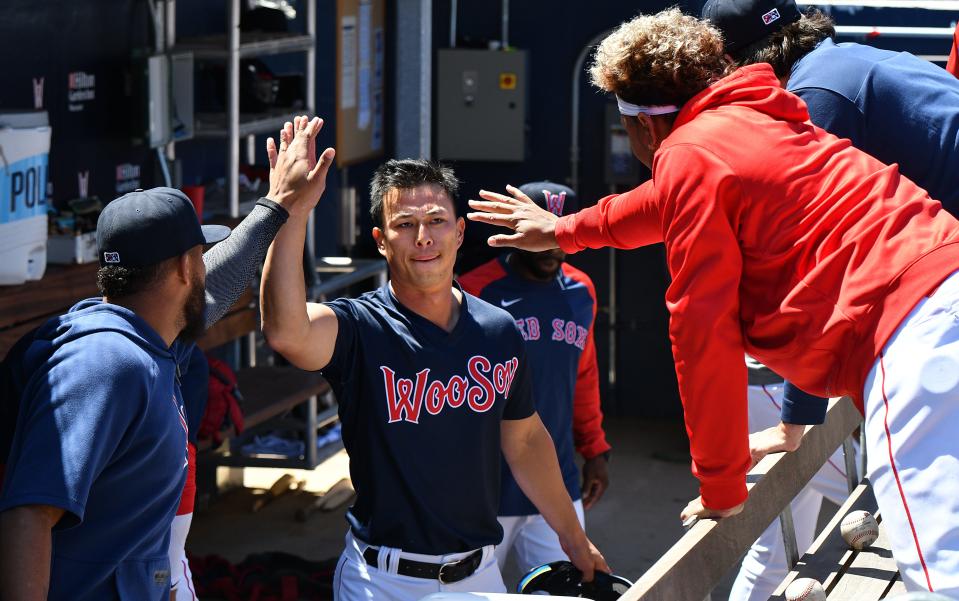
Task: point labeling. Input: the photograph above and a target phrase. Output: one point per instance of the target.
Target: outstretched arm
(231, 264)
(303, 333)
(296, 184)
(534, 228)
(626, 221)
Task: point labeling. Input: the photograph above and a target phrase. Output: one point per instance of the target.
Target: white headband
(631, 110)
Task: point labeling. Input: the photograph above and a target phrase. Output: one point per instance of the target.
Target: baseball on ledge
(859, 529)
(805, 589)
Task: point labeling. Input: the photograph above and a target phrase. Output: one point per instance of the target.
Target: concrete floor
(633, 524)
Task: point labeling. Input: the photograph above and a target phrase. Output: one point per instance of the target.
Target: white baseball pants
(912, 437)
(181, 579)
(535, 542)
(355, 580)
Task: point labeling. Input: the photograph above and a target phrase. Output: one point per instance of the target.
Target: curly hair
(783, 48)
(115, 281)
(666, 58)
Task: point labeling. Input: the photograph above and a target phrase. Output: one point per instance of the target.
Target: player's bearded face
(420, 236)
(542, 265)
(194, 310)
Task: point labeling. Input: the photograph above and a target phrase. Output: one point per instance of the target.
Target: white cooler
(24, 151)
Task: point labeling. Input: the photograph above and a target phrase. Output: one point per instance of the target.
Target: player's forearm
(25, 547)
(629, 220)
(536, 469)
(231, 264)
(286, 323)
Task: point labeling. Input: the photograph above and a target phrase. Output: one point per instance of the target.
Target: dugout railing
(710, 549)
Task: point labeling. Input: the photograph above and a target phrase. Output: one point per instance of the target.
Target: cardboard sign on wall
(360, 53)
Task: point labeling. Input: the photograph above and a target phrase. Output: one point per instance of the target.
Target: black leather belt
(446, 573)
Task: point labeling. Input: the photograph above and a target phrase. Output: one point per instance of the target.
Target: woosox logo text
(405, 397)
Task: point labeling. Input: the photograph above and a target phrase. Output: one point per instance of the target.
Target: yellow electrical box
(507, 81)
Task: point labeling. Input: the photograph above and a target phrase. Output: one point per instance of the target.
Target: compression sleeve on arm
(231, 264)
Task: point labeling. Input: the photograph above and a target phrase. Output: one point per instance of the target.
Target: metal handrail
(925, 4)
(895, 32)
(690, 569)
(362, 269)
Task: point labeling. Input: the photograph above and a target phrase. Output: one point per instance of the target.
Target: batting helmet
(561, 578)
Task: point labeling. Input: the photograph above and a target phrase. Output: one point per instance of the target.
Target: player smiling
(433, 389)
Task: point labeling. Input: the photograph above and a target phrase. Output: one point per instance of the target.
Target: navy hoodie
(101, 434)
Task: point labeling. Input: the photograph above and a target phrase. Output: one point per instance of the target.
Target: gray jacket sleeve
(231, 264)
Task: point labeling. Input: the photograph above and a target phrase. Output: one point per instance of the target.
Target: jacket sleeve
(702, 200)
(72, 420)
(626, 221)
(588, 435)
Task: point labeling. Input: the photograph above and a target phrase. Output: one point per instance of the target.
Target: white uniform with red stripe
(912, 421)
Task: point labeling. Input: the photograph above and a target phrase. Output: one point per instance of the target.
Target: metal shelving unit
(251, 44)
(217, 125)
(231, 47)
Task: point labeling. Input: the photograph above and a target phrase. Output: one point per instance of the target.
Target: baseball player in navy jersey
(98, 458)
(433, 389)
(554, 306)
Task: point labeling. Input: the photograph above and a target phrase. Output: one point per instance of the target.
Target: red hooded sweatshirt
(783, 242)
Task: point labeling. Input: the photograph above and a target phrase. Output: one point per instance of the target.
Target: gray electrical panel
(481, 105)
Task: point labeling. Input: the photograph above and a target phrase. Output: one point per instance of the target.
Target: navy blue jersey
(893, 105)
(421, 411)
(556, 320)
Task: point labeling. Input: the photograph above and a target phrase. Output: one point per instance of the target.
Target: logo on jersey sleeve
(406, 398)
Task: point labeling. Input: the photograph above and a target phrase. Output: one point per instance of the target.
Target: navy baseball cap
(745, 22)
(555, 198)
(145, 227)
